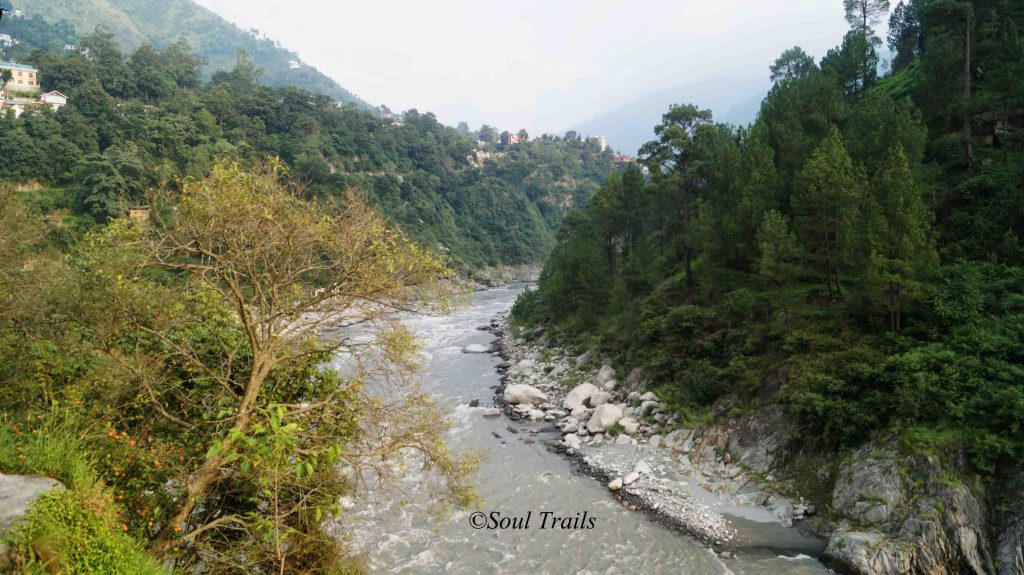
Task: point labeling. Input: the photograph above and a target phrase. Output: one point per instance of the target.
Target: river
(399, 529)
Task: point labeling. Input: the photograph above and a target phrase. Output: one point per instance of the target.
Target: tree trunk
(200, 480)
(968, 135)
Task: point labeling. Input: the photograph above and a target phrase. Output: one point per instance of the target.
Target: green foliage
(902, 194)
(144, 120)
(77, 530)
(63, 533)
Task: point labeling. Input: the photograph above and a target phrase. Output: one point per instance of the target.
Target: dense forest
(146, 120)
(854, 255)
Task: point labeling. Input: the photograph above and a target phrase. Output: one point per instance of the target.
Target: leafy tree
(488, 134)
(793, 63)
(109, 64)
(267, 269)
(152, 79)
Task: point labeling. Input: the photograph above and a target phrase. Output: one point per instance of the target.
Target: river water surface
(399, 529)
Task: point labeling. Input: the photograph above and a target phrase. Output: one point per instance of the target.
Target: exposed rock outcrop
(902, 515)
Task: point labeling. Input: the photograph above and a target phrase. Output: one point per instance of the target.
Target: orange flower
(131, 443)
(124, 527)
(177, 529)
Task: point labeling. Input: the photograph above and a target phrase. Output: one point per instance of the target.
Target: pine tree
(898, 234)
(826, 198)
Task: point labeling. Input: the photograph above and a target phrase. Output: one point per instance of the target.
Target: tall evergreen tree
(826, 200)
(898, 232)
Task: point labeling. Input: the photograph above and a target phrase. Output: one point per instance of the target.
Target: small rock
(623, 439)
(476, 348)
(615, 484)
(492, 412)
(630, 478)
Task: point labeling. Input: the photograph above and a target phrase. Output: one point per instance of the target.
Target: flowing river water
(399, 528)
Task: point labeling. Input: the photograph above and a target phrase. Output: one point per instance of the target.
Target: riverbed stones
(520, 394)
(615, 484)
(573, 441)
(476, 348)
(605, 374)
(579, 395)
(654, 441)
(600, 398)
(630, 477)
(580, 412)
(646, 408)
(629, 425)
(604, 417)
(649, 396)
(492, 412)
(623, 439)
(609, 385)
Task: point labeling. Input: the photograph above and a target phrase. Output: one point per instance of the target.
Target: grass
(77, 530)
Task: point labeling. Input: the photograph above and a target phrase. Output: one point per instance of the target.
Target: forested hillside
(143, 121)
(163, 22)
(855, 255)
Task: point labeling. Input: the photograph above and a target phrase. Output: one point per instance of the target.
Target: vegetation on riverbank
(855, 254)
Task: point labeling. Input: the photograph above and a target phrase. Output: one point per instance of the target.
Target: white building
(54, 99)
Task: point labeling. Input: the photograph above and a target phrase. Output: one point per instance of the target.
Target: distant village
(20, 90)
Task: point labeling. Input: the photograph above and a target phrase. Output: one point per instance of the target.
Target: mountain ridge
(212, 37)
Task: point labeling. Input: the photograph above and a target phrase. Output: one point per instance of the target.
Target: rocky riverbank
(623, 436)
(890, 513)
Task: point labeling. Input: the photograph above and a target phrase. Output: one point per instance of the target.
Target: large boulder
(579, 395)
(17, 492)
(600, 398)
(869, 553)
(604, 417)
(522, 394)
(605, 374)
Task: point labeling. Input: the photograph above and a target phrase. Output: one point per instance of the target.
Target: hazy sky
(542, 65)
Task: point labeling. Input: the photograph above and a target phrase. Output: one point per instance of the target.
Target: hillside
(836, 289)
(144, 120)
(163, 22)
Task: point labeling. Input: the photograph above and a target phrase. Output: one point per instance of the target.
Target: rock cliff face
(893, 514)
(907, 515)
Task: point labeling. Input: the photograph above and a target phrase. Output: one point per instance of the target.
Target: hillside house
(23, 78)
(54, 99)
